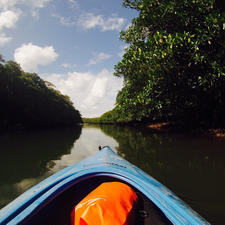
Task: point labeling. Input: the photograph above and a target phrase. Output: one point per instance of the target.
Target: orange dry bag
(111, 203)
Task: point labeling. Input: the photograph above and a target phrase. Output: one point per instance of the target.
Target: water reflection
(29, 157)
(26, 158)
(191, 166)
(92, 137)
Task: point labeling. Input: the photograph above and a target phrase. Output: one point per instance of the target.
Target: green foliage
(91, 120)
(108, 117)
(173, 68)
(29, 101)
(111, 117)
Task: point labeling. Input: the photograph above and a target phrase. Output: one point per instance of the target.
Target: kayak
(51, 201)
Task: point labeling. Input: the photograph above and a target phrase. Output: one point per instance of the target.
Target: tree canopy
(173, 67)
(28, 101)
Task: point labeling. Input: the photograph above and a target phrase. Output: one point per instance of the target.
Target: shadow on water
(27, 157)
(192, 167)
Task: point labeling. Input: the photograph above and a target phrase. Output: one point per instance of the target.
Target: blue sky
(72, 43)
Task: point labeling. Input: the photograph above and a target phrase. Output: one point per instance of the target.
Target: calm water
(192, 167)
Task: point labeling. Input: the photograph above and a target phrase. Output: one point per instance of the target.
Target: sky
(74, 44)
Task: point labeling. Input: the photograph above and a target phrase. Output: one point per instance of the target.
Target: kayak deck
(57, 211)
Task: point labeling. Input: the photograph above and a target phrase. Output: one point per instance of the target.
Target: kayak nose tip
(100, 147)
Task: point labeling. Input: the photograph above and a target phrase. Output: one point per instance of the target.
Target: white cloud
(9, 4)
(35, 3)
(32, 6)
(64, 21)
(113, 23)
(8, 19)
(4, 39)
(92, 94)
(89, 21)
(29, 56)
(11, 10)
(98, 58)
(68, 66)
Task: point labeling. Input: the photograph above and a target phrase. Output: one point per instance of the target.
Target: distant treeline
(28, 101)
(111, 117)
(174, 64)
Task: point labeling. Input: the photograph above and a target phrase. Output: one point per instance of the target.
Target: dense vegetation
(28, 101)
(109, 117)
(173, 67)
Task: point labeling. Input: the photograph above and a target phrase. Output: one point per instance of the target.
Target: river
(189, 165)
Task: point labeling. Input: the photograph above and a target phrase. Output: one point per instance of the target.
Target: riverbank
(165, 127)
(171, 127)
